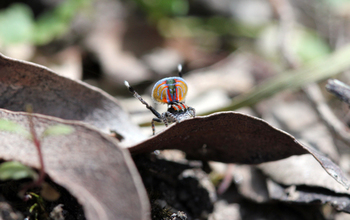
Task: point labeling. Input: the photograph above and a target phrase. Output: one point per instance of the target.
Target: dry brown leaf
(308, 195)
(234, 138)
(89, 164)
(298, 179)
(300, 170)
(24, 83)
(251, 183)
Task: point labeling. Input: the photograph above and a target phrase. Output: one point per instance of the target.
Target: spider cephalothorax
(171, 91)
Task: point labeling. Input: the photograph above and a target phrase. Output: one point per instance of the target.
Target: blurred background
(233, 44)
(268, 58)
(105, 42)
(226, 47)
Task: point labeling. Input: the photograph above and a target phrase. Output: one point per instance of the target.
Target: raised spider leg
(179, 69)
(136, 95)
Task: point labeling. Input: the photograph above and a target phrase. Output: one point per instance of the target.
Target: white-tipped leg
(136, 95)
(126, 84)
(179, 68)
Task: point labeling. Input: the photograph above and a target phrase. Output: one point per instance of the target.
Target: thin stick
(339, 89)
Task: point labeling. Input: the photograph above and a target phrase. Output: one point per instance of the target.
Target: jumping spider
(171, 91)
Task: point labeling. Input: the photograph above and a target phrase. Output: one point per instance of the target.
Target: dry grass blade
(334, 64)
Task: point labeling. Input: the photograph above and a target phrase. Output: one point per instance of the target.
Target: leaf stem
(37, 144)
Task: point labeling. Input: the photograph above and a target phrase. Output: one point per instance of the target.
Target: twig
(337, 128)
(339, 89)
(285, 13)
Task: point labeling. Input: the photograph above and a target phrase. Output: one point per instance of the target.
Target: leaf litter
(231, 137)
(89, 164)
(307, 183)
(226, 136)
(24, 83)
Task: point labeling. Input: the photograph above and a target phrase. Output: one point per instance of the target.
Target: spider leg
(192, 111)
(136, 95)
(169, 115)
(153, 128)
(179, 69)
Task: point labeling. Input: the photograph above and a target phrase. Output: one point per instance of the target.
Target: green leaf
(48, 27)
(31, 209)
(10, 126)
(14, 170)
(58, 129)
(56, 22)
(16, 24)
(308, 45)
(157, 10)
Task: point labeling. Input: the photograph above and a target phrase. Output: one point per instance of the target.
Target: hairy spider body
(178, 112)
(171, 91)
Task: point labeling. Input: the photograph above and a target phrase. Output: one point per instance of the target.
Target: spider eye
(170, 90)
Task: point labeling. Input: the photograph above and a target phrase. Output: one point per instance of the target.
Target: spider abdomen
(170, 90)
(177, 107)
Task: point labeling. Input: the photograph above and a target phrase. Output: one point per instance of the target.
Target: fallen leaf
(234, 138)
(89, 164)
(251, 183)
(301, 179)
(308, 195)
(300, 170)
(23, 83)
(49, 193)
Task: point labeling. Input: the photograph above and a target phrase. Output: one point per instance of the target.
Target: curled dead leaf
(89, 164)
(308, 195)
(24, 83)
(234, 138)
(301, 179)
